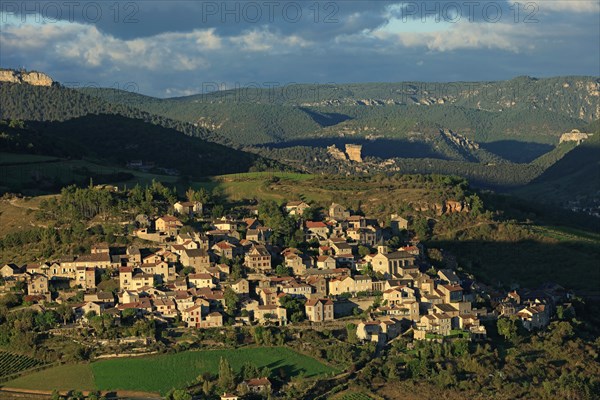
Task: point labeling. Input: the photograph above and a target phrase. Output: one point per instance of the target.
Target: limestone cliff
(354, 152)
(336, 153)
(32, 77)
(447, 207)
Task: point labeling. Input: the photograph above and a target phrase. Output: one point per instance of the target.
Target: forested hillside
(57, 103)
(526, 109)
(573, 181)
(112, 141)
(471, 130)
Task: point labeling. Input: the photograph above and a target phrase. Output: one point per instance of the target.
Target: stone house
(258, 258)
(338, 212)
(258, 385)
(534, 317)
(398, 224)
(316, 229)
(225, 249)
(271, 313)
(86, 277)
(241, 287)
(212, 320)
(37, 284)
(195, 258)
(202, 280)
(168, 224)
(190, 208)
(398, 263)
(326, 262)
(296, 207)
(319, 310)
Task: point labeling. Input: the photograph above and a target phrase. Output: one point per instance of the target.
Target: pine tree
(226, 375)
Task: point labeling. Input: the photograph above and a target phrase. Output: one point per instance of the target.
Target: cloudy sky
(172, 48)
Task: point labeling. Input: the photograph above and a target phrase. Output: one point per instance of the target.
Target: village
(190, 279)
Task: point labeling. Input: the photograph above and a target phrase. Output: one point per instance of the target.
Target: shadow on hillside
(528, 263)
(517, 151)
(326, 119)
(382, 148)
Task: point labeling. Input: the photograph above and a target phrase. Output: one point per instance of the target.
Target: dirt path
(15, 203)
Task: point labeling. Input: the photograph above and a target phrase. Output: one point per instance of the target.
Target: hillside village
(232, 274)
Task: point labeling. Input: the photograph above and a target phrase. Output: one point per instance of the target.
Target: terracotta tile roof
(258, 382)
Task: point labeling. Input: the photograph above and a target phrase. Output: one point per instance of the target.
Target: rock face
(9, 76)
(336, 153)
(448, 207)
(354, 152)
(574, 136)
(32, 78)
(459, 140)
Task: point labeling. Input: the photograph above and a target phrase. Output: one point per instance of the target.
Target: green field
(12, 158)
(30, 173)
(62, 377)
(164, 372)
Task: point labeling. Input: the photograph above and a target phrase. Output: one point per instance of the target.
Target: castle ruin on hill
(574, 136)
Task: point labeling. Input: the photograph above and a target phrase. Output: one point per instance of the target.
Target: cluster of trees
(77, 203)
(544, 365)
(286, 229)
(24, 331)
(227, 380)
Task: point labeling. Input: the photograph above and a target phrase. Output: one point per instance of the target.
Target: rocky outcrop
(451, 207)
(9, 76)
(574, 136)
(32, 77)
(459, 140)
(336, 153)
(354, 152)
(447, 207)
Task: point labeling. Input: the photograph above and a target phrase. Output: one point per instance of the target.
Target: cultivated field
(12, 363)
(62, 377)
(164, 372)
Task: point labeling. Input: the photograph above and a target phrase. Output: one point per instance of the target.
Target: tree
(282, 270)
(508, 328)
(421, 227)
(351, 333)
(249, 371)
(218, 211)
(65, 311)
(363, 251)
(178, 394)
(311, 214)
(231, 300)
(226, 375)
(294, 307)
